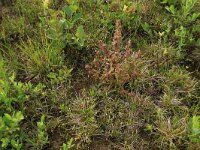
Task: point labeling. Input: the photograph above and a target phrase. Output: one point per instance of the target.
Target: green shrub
(42, 136)
(183, 15)
(194, 126)
(13, 97)
(9, 129)
(67, 146)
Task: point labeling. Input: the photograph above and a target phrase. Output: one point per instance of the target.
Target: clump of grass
(82, 119)
(30, 10)
(152, 90)
(12, 27)
(40, 58)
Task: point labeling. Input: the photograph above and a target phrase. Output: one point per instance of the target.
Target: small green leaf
(146, 27)
(64, 146)
(194, 126)
(19, 116)
(7, 118)
(16, 144)
(76, 17)
(74, 8)
(51, 75)
(195, 16)
(70, 10)
(80, 34)
(5, 142)
(171, 9)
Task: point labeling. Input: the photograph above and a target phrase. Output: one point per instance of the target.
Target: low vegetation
(99, 74)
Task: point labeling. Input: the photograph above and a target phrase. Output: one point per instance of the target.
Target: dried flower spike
(117, 36)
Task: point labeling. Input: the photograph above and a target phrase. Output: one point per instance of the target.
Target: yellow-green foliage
(65, 83)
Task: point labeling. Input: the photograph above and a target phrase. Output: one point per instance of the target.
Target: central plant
(115, 66)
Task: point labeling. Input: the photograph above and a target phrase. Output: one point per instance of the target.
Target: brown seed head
(117, 36)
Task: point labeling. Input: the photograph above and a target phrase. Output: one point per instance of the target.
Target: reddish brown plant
(114, 67)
